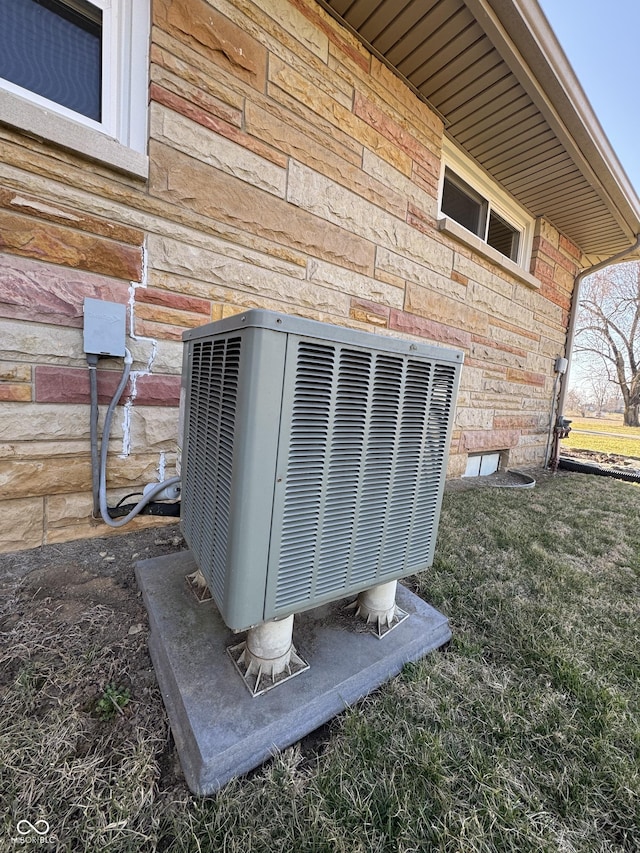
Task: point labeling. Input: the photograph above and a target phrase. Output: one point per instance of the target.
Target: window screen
(54, 49)
(463, 204)
(503, 237)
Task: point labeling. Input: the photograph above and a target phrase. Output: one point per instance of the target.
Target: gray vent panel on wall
(367, 442)
(313, 460)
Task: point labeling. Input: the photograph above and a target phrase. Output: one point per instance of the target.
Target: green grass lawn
(523, 735)
(611, 424)
(625, 440)
(602, 444)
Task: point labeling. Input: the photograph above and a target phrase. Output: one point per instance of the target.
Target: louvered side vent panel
(208, 467)
(431, 465)
(305, 474)
(365, 463)
(377, 466)
(342, 476)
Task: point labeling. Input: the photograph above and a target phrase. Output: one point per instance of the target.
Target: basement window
(74, 72)
(482, 464)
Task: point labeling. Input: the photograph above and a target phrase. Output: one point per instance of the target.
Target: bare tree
(599, 390)
(576, 402)
(609, 328)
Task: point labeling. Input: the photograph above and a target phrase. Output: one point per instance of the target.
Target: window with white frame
(471, 199)
(75, 72)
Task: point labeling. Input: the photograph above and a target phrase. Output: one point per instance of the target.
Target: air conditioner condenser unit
(313, 460)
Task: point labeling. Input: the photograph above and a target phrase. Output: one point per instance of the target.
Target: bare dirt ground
(608, 460)
(66, 579)
(84, 595)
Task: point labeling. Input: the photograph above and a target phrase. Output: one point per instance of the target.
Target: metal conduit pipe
(573, 316)
(552, 419)
(104, 449)
(92, 361)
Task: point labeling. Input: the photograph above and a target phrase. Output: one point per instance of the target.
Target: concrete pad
(220, 730)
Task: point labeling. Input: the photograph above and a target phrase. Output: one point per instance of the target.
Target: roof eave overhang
(528, 45)
(520, 35)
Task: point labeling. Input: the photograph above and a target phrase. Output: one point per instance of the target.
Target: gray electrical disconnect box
(104, 327)
(314, 460)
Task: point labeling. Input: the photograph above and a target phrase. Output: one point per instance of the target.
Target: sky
(600, 39)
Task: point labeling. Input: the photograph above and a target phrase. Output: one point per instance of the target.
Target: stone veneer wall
(289, 170)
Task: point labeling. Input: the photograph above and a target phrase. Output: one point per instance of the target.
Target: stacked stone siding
(289, 170)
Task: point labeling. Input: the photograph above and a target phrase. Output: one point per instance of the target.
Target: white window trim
(499, 202)
(120, 139)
